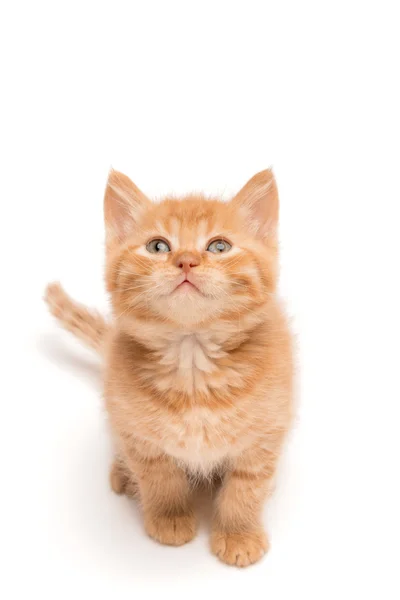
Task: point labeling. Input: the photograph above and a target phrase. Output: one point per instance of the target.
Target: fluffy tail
(89, 326)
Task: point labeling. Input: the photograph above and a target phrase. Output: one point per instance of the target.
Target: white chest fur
(202, 439)
(188, 363)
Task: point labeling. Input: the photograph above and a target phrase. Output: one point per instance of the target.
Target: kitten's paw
(171, 530)
(118, 478)
(240, 549)
(121, 482)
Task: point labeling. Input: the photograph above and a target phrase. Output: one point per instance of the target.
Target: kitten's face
(188, 261)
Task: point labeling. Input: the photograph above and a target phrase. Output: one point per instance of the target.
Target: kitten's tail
(88, 325)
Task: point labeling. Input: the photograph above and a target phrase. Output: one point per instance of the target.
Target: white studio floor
(200, 96)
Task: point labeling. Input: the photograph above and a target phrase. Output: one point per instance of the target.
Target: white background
(187, 96)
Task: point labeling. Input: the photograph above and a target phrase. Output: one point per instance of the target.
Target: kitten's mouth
(187, 285)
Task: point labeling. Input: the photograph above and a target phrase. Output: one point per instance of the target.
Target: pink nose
(187, 261)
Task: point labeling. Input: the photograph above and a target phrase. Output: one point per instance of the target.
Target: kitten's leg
(165, 495)
(238, 537)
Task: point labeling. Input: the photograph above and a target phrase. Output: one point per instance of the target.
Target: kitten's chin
(187, 306)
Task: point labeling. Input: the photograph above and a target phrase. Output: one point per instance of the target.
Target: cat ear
(123, 205)
(259, 204)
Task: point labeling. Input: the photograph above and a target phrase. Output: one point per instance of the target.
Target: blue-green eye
(219, 246)
(157, 247)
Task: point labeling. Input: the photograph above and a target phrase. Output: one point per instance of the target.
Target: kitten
(198, 361)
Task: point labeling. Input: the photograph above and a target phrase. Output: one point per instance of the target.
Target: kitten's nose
(186, 261)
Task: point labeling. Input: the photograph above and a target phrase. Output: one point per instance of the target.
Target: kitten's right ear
(123, 205)
(258, 203)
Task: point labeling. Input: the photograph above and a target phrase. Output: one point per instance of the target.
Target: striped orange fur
(198, 360)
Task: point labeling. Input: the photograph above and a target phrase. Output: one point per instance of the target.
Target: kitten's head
(194, 260)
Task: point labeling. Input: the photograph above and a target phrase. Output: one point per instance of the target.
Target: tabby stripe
(245, 475)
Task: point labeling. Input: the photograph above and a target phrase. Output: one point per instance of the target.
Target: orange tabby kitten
(198, 365)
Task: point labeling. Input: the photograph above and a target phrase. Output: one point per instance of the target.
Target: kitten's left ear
(258, 202)
(124, 204)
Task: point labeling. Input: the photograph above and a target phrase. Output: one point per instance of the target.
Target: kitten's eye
(218, 246)
(157, 247)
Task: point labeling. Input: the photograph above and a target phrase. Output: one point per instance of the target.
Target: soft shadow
(58, 352)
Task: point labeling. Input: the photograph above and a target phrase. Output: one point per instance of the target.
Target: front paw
(171, 530)
(240, 549)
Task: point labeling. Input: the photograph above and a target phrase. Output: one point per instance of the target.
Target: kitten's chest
(203, 438)
(191, 363)
(204, 433)
(187, 401)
